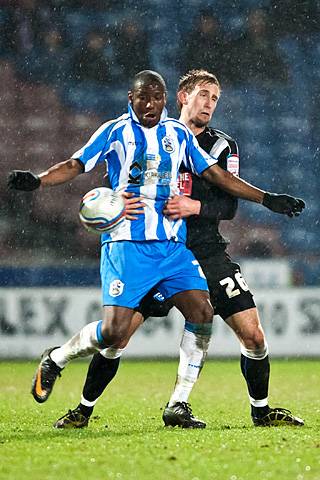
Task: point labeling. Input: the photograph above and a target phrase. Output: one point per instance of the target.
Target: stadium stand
(46, 115)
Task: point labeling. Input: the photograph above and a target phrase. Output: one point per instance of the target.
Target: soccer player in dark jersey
(204, 205)
(198, 94)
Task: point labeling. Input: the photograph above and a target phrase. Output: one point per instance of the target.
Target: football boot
(72, 419)
(180, 414)
(45, 376)
(277, 417)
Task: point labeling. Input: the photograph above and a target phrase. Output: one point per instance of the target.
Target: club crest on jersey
(116, 288)
(168, 144)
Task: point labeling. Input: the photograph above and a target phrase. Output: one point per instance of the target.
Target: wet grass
(126, 439)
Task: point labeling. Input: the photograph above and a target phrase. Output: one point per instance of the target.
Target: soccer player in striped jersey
(143, 151)
(204, 205)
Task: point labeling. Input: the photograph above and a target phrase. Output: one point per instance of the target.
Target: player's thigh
(247, 326)
(229, 291)
(233, 301)
(194, 305)
(183, 273)
(154, 305)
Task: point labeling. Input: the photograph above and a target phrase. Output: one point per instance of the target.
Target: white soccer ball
(102, 210)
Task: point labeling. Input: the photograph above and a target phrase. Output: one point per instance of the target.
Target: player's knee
(202, 314)
(258, 341)
(207, 312)
(253, 339)
(115, 334)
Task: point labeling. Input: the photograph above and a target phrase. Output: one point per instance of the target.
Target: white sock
(86, 403)
(111, 352)
(258, 403)
(193, 351)
(255, 353)
(82, 344)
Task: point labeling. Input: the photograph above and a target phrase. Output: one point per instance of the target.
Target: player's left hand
(134, 205)
(285, 204)
(181, 206)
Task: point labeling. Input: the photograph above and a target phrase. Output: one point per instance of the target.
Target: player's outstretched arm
(57, 174)
(237, 187)
(232, 184)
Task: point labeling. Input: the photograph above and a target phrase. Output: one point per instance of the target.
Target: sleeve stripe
(91, 163)
(218, 147)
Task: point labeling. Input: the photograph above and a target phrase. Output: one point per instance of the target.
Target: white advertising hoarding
(32, 319)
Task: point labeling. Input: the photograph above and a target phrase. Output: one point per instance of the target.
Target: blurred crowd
(46, 47)
(65, 66)
(106, 42)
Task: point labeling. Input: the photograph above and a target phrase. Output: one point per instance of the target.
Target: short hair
(189, 80)
(148, 77)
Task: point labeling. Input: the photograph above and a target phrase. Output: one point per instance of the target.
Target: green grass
(136, 446)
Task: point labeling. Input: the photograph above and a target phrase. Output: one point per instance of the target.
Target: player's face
(201, 103)
(148, 101)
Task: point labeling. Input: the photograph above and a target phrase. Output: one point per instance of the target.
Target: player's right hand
(134, 205)
(23, 180)
(181, 206)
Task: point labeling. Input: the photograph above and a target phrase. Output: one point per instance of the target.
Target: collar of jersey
(134, 117)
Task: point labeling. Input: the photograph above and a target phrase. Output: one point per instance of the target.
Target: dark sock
(100, 373)
(256, 374)
(259, 412)
(86, 411)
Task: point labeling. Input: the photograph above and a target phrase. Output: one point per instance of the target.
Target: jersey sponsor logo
(185, 183)
(233, 163)
(135, 173)
(152, 177)
(151, 174)
(145, 171)
(168, 144)
(116, 288)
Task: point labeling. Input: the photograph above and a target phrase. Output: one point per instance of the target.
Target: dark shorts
(228, 290)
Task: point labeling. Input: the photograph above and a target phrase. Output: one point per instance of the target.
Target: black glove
(23, 180)
(282, 203)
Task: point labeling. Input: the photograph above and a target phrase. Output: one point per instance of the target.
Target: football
(102, 210)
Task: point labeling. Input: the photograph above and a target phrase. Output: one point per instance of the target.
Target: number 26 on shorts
(231, 287)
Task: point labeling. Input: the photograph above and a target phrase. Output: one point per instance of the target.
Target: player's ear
(165, 99)
(130, 96)
(182, 96)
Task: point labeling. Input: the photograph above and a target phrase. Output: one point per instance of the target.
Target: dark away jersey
(203, 236)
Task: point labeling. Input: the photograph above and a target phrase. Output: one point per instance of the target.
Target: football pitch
(126, 439)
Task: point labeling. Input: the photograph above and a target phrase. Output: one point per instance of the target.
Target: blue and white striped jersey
(145, 161)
